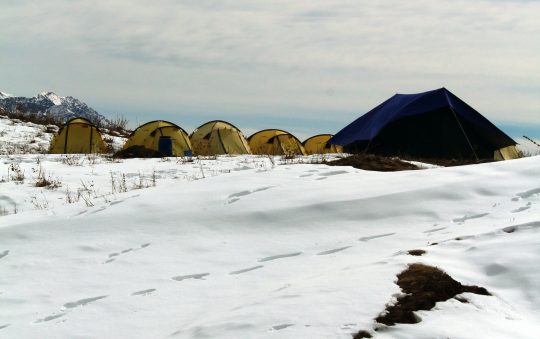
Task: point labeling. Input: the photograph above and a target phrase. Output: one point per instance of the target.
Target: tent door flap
(165, 146)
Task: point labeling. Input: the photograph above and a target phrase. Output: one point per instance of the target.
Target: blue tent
(434, 123)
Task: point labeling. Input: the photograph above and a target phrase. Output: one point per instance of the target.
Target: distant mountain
(62, 108)
(4, 95)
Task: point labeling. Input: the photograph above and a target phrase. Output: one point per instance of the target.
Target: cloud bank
(318, 61)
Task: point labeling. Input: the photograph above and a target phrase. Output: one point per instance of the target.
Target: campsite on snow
(430, 229)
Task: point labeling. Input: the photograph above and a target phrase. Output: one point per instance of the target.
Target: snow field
(255, 250)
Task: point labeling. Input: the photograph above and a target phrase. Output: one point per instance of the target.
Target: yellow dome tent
(161, 136)
(275, 142)
(318, 144)
(78, 135)
(218, 137)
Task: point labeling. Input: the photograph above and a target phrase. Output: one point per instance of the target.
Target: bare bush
(71, 160)
(44, 180)
(17, 174)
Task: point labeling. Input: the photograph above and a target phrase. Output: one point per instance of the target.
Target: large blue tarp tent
(431, 124)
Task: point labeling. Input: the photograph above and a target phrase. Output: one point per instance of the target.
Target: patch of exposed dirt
(424, 286)
(362, 334)
(137, 152)
(416, 252)
(371, 162)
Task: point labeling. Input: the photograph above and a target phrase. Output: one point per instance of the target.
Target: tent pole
(465, 134)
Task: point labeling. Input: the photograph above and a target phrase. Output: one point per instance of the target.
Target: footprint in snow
(236, 196)
(144, 292)
(198, 276)
(333, 251)
(113, 256)
(526, 226)
(526, 194)
(331, 173)
(98, 210)
(469, 217)
(306, 175)
(281, 326)
(83, 302)
(51, 317)
(279, 256)
(522, 208)
(434, 230)
(376, 236)
(3, 254)
(495, 269)
(246, 270)
(4, 326)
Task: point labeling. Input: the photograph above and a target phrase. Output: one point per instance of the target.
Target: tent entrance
(165, 146)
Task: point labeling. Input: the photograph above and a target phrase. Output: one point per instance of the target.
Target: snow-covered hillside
(19, 137)
(253, 247)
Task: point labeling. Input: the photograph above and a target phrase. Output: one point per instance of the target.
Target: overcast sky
(305, 66)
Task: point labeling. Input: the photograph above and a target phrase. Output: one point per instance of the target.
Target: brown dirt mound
(362, 334)
(371, 162)
(424, 286)
(416, 252)
(137, 152)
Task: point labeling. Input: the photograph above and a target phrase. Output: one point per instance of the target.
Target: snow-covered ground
(253, 247)
(256, 247)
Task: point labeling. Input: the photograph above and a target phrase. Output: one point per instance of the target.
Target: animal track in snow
(3, 254)
(281, 326)
(279, 256)
(335, 250)
(376, 236)
(144, 292)
(198, 276)
(4, 326)
(113, 256)
(246, 270)
(469, 217)
(236, 196)
(306, 175)
(83, 302)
